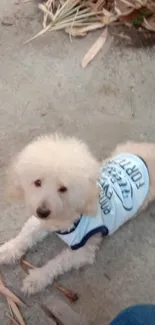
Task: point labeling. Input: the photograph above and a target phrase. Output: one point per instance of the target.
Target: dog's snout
(43, 213)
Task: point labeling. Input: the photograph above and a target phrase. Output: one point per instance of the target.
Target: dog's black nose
(43, 213)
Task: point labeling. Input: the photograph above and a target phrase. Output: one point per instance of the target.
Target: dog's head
(57, 178)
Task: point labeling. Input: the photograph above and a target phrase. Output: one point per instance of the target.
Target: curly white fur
(57, 161)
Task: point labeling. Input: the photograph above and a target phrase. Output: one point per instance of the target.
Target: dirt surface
(44, 89)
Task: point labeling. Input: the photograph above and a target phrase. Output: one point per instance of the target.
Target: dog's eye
(62, 189)
(37, 183)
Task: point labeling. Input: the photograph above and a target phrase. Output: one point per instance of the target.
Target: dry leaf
(74, 15)
(131, 3)
(13, 320)
(107, 20)
(122, 8)
(44, 30)
(129, 16)
(68, 293)
(95, 48)
(74, 32)
(8, 294)
(81, 31)
(2, 284)
(149, 23)
(136, 17)
(16, 312)
(12, 300)
(151, 5)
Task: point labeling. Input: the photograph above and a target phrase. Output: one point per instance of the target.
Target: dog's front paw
(35, 282)
(9, 252)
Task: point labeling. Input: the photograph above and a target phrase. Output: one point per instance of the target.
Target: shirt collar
(73, 227)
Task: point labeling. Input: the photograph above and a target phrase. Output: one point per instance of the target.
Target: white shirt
(124, 185)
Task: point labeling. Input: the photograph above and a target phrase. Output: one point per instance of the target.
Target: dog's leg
(39, 278)
(30, 234)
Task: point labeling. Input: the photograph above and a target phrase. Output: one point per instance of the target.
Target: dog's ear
(14, 189)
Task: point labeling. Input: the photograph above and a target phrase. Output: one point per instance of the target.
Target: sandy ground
(44, 89)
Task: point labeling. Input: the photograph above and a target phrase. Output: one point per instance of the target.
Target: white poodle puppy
(68, 192)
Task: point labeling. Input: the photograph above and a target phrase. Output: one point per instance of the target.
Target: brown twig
(12, 301)
(9, 294)
(15, 310)
(72, 296)
(25, 265)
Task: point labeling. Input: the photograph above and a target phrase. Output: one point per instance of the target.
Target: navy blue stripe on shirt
(143, 162)
(71, 230)
(102, 229)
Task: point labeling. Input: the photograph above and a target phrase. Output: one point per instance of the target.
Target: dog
(68, 191)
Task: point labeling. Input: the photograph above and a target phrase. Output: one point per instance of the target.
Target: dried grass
(78, 17)
(13, 301)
